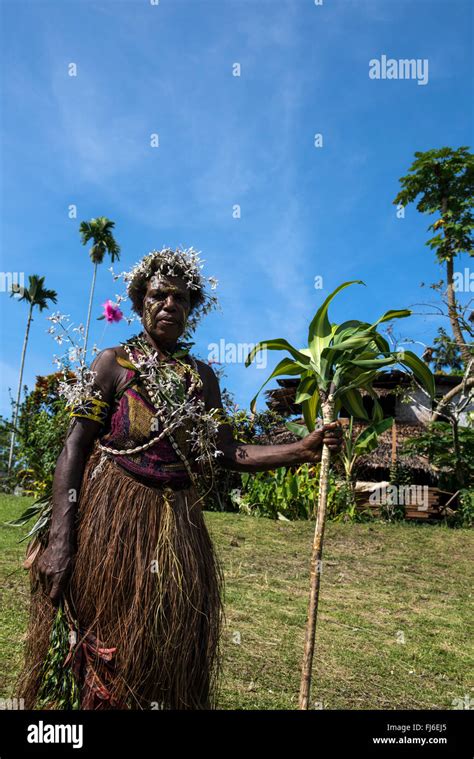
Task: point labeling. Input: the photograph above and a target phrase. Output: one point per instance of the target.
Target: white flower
(185, 263)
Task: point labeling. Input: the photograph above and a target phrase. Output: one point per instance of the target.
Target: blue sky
(225, 140)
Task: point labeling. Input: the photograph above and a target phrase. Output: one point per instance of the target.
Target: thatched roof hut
(410, 421)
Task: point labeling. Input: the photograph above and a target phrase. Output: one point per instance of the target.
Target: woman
(128, 552)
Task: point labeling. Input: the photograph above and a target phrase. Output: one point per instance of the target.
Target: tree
(443, 180)
(37, 296)
(452, 455)
(98, 230)
(43, 419)
(340, 360)
(444, 353)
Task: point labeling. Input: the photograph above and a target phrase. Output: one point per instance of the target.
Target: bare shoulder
(206, 372)
(107, 358)
(212, 391)
(108, 371)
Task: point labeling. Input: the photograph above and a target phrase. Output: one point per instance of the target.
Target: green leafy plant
(438, 444)
(338, 361)
(282, 492)
(59, 689)
(464, 514)
(365, 442)
(43, 421)
(41, 508)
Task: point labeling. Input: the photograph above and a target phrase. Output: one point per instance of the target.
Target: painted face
(166, 307)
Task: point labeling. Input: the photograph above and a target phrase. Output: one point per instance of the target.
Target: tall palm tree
(100, 231)
(37, 296)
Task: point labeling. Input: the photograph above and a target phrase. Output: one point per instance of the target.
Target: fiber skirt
(146, 595)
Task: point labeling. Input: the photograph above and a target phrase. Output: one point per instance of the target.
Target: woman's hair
(156, 263)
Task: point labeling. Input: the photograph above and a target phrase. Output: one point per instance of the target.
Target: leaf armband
(93, 409)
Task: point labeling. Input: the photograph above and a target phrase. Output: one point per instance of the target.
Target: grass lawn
(393, 624)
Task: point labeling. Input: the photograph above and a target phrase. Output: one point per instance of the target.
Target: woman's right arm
(55, 563)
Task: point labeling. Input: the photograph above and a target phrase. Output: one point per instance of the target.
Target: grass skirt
(146, 593)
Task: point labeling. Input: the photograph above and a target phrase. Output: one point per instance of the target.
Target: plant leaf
(419, 369)
(367, 440)
(352, 402)
(278, 344)
(306, 388)
(126, 364)
(300, 430)
(310, 409)
(374, 363)
(320, 330)
(393, 314)
(285, 366)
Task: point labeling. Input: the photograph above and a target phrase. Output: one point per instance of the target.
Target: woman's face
(166, 307)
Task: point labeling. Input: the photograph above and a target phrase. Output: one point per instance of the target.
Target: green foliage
(446, 354)
(35, 294)
(5, 436)
(41, 508)
(438, 445)
(464, 515)
(59, 689)
(42, 426)
(340, 360)
(281, 492)
(345, 507)
(443, 180)
(285, 493)
(250, 428)
(100, 231)
(366, 441)
(400, 475)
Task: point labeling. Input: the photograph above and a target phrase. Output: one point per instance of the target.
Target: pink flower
(112, 313)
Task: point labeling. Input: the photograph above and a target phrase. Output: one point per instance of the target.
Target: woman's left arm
(256, 458)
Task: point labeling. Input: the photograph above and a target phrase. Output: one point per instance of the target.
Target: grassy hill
(393, 623)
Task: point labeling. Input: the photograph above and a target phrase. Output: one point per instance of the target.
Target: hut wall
(415, 411)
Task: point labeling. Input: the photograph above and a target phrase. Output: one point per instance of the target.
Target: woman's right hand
(54, 567)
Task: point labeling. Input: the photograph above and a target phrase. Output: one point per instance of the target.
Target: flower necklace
(173, 403)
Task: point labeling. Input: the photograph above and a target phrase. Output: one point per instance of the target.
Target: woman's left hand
(312, 444)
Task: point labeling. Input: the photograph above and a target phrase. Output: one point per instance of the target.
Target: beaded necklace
(150, 368)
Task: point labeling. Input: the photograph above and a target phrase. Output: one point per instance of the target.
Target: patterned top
(133, 422)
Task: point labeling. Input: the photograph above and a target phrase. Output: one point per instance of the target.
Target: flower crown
(184, 263)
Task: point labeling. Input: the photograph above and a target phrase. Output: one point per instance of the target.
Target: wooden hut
(411, 409)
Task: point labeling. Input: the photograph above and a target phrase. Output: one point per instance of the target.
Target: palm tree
(339, 361)
(37, 296)
(98, 230)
